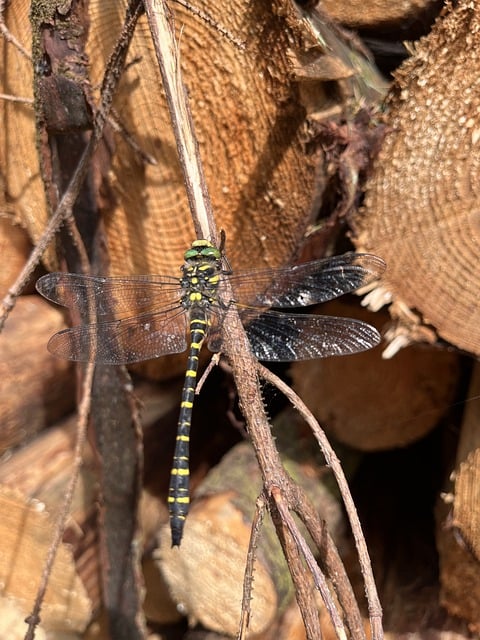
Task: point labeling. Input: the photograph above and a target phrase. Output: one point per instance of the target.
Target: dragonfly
(134, 318)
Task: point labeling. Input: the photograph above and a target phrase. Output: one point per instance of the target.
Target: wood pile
(302, 157)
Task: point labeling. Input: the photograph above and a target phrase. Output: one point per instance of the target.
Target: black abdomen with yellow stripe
(201, 275)
(179, 492)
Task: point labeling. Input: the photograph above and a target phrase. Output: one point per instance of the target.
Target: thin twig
(9, 98)
(304, 593)
(374, 607)
(161, 26)
(329, 558)
(214, 360)
(211, 22)
(65, 206)
(83, 412)
(317, 574)
(8, 35)
(258, 516)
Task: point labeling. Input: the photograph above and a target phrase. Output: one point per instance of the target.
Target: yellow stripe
(171, 500)
(196, 345)
(197, 320)
(180, 472)
(190, 373)
(186, 404)
(184, 438)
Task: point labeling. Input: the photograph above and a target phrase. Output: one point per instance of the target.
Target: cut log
(27, 531)
(458, 532)
(376, 14)
(264, 174)
(159, 607)
(149, 224)
(37, 389)
(40, 472)
(205, 575)
(371, 403)
(422, 202)
(14, 627)
(14, 249)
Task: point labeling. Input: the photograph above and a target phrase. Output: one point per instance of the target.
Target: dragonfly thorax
(201, 276)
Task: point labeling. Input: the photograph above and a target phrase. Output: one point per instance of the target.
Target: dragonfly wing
(216, 318)
(284, 337)
(110, 298)
(123, 341)
(308, 283)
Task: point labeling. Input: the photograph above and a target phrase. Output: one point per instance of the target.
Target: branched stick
(329, 559)
(303, 584)
(245, 368)
(374, 607)
(63, 213)
(274, 476)
(304, 550)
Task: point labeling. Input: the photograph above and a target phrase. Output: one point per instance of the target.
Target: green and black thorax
(201, 275)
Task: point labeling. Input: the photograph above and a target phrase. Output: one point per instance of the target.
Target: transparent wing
(305, 284)
(149, 335)
(286, 337)
(110, 299)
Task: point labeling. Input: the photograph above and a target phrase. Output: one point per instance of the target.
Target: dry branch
(278, 487)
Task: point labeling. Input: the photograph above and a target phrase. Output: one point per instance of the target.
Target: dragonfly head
(201, 250)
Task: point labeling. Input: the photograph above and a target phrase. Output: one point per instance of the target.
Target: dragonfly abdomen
(179, 494)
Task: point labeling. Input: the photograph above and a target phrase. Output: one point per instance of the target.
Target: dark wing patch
(306, 284)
